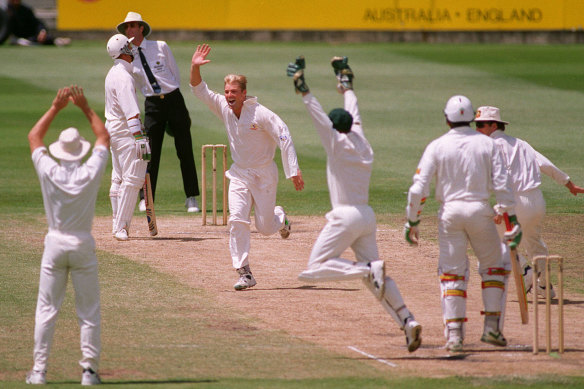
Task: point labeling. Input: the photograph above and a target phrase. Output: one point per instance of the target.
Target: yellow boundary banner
(393, 15)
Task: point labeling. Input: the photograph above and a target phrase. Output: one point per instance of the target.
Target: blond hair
(236, 79)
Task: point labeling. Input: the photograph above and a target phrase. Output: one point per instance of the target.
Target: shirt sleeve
(321, 121)
(211, 99)
(172, 66)
(549, 169)
(420, 189)
(127, 98)
(42, 161)
(502, 183)
(279, 131)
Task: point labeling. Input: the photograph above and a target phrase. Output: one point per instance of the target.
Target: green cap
(342, 120)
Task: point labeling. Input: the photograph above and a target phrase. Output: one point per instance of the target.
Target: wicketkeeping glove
(412, 233)
(296, 70)
(513, 233)
(143, 149)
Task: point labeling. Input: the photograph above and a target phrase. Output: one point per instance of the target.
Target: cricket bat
(518, 276)
(150, 216)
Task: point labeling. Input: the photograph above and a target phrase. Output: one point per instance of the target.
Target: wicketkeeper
(351, 222)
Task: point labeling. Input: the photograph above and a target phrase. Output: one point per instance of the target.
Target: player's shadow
(557, 302)
(170, 238)
(144, 382)
(308, 288)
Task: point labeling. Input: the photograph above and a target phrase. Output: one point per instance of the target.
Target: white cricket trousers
(72, 253)
(128, 174)
(251, 188)
(530, 211)
(461, 222)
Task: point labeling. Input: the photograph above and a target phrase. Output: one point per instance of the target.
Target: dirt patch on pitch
(343, 316)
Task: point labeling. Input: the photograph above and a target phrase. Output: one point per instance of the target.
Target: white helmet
(459, 109)
(119, 44)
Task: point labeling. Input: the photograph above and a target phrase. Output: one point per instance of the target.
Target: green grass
(402, 89)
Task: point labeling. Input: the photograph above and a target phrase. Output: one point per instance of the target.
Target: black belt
(162, 97)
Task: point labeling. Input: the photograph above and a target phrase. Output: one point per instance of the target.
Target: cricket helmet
(459, 109)
(119, 44)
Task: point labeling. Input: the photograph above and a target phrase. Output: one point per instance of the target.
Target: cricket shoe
(541, 292)
(413, 331)
(494, 338)
(285, 231)
(142, 206)
(246, 279)
(36, 377)
(191, 204)
(377, 277)
(89, 377)
(454, 342)
(121, 235)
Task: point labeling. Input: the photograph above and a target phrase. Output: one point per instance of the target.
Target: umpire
(157, 76)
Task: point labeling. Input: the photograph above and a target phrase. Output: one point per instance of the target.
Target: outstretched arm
(78, 98)
(199, 59)
(39, 130)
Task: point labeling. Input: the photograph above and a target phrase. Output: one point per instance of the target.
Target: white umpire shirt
(349, 158)
(121, 102)
(524, 163)
(69, 189)
(254, 136)
(163, 66)
(467, 167)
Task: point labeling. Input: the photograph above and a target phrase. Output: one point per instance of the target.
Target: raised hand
(200, 55)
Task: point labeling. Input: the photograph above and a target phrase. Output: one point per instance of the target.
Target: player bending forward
(351, 221)
(467, 166)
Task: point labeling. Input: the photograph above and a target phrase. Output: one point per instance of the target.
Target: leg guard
(453, 296)
(130, 187)
(507, 267)
(392, 301)
(493, 287)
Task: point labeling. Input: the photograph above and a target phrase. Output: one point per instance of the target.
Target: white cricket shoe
(142, 205)
(89, 377)
(413, 331)
(121, 235)
(454, 342)
(36, 377)
(494, 338)
(246, 279)
(191, 204)
(541, 292)
(377, 277)
(285, 231)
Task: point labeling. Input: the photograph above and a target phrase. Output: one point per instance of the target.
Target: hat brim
(58, 152)
(146, 32)
(490, 120)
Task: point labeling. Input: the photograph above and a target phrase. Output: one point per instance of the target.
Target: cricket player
(351, 222)
(524, 166)
(130, 147)
(467, 167)
(69, 191)
(254, 132)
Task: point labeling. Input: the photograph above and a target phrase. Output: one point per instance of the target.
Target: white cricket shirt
(253, 137)
(163, 66)
(70, 189)
(121, 102)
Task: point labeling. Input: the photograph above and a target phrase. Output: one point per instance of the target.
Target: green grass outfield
(402, 89)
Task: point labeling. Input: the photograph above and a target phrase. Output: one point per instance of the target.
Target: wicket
(536, 269)
(214, 187)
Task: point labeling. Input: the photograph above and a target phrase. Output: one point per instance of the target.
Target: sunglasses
(482, 124)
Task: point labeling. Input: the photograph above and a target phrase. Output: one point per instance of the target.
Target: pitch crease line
(372, 356)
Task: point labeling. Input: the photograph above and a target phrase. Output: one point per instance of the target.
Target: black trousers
(172, 111)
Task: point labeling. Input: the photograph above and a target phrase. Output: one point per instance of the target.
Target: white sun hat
(71, 146)
(489, 114)
(134, 17)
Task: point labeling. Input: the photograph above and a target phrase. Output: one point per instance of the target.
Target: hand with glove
(412, 233)
(513, 233)
(296, 70)
(143, 148)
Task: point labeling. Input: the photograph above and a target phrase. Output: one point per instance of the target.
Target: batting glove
(412, 233)
(143, 149)
(513, 234)
(296, 70)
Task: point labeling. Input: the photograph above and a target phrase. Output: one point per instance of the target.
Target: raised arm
(78, 98)
(199, 59)
(39, 130)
